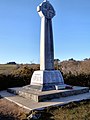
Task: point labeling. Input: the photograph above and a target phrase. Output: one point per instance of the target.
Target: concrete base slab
(32, 105)
(39, 96)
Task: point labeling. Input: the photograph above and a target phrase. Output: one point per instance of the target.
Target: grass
(11, 111)
(6, 68)
(9, 68)
(72, 111)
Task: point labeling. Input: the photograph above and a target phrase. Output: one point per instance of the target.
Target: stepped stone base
(39, 96)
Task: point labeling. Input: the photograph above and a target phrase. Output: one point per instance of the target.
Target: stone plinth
(46, 80)
(47, 95)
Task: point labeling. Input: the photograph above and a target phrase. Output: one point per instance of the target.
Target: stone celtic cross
(46, 78)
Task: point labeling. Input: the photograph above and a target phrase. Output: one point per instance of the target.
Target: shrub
(19, 77)
(77, 80)
(22, 76)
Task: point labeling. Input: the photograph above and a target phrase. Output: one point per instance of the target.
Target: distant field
(6, 68)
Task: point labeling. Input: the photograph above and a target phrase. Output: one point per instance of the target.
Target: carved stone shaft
(46, 46)
(46, 13)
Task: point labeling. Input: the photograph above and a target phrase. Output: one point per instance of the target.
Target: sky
(20, 30)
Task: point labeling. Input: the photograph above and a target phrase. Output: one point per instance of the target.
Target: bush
(17, 78)
(12, 63)
(7, 81)
(77, 80)
(22, 76)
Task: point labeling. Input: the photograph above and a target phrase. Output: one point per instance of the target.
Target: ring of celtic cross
(47, 10)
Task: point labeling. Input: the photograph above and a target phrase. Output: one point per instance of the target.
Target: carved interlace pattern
(48, 10)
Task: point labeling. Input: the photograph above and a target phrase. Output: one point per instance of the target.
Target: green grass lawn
(72, 111)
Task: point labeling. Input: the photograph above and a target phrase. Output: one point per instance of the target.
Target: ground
(10, 111)
(72, 111)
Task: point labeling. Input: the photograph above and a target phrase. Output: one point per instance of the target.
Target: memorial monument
(47, 83)
(46, 78)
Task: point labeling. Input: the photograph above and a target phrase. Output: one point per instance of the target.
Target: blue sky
(20, 30)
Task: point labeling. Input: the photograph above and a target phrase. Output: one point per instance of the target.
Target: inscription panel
(37, 78)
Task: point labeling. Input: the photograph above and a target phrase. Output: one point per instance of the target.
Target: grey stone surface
(28, 104)
(38, 96)
(32, 105)
(47, 79)
(46, 12)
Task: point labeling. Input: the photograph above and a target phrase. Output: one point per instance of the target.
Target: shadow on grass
(7, 117)
(0, 97)
(46, 116)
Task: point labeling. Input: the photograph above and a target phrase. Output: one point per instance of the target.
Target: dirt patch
(10, 111)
